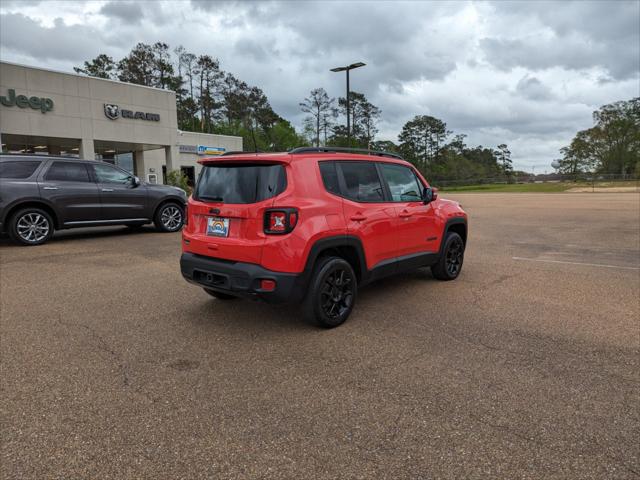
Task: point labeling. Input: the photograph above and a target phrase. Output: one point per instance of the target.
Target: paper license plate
(218, 227)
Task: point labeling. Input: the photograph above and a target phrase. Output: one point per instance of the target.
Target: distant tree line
(214, 101)
(424, 140)
(208, 99)
(611, 146)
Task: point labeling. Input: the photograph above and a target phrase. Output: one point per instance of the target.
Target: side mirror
(427, 195)
(135, 181)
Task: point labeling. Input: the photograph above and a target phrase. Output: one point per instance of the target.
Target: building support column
(87, 149)
(171, 157)
(139, 167)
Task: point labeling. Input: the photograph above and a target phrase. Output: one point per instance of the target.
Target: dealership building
(53, 113)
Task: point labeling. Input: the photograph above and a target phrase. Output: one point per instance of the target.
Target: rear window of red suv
(240, 183)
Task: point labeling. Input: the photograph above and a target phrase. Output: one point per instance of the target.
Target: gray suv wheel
(169, 217)
(30, 226)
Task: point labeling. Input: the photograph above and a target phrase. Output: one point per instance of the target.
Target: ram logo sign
(113, 111)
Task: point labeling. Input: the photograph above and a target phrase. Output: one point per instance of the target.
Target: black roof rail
(43, 157)
(362, 151)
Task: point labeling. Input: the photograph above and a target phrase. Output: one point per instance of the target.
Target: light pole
(341, 69)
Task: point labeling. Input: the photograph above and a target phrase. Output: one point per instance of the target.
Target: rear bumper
(241, 279)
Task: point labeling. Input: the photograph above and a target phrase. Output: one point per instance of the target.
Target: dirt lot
(526, 367)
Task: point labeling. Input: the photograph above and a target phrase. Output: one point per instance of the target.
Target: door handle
(51, 188)
(107, 189)
(405, 214)
(358, 217)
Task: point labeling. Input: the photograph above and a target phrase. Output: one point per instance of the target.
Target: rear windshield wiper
(213, 199)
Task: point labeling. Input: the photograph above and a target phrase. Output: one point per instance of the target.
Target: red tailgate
(246, 237)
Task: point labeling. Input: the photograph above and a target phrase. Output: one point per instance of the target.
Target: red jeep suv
(313, 225)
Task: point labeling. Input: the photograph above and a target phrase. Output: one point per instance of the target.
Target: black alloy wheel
(454, 255)
(332, 292)
(336, 295)
(449, 264)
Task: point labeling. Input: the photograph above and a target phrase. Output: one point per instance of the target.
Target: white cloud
(528, 74)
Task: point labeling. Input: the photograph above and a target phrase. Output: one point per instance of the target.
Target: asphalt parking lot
(112, 366)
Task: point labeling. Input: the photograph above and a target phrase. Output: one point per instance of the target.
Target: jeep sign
(22, 101)
(112, 112)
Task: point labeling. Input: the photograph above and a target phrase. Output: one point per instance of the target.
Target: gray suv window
(18, 169)
(67, 172)
(109, 174)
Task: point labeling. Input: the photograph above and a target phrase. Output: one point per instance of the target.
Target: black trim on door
(405, 263)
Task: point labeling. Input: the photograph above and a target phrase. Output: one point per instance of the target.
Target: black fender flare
(336, 241)
(447, 227)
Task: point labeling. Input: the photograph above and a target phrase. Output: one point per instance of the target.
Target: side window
(109, 174)
(67, 172)
(362, 181)
(402, 182)
(330, 177)
(18, 169)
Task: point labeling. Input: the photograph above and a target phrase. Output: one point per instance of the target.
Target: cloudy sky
(527, 74)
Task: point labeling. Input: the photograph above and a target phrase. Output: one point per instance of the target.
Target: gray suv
(41, 194)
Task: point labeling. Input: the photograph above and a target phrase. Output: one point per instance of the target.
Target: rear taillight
(186, 214)
(267, 285)
(280, 221)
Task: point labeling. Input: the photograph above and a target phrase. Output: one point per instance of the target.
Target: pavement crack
(543, 445)
(480, 344)
(505, 428)
(103, 345)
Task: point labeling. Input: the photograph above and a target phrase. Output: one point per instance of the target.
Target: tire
(332, 293)
(169, 217)
(30, 226)
(220, 295)
(450, 262)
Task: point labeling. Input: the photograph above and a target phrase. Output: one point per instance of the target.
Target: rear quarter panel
(320, 216)
(16, 191)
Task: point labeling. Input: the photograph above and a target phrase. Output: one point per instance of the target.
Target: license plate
(218, 227)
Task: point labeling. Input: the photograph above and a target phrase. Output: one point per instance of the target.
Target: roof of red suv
(302, 154)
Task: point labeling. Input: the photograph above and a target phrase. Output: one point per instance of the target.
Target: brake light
(280, 221)
(267, 285)
(186, 214)
(277, 221)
